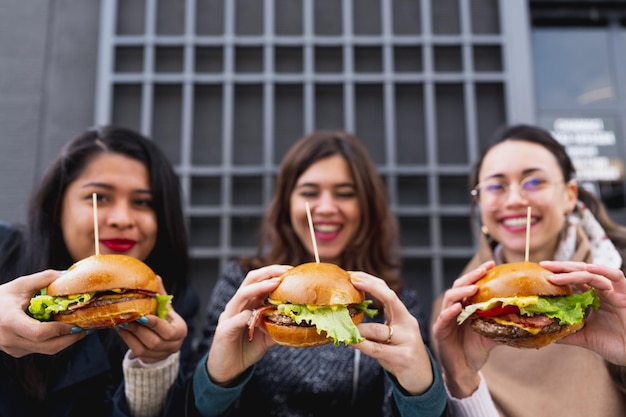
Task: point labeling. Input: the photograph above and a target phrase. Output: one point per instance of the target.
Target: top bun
(317, 283)
(105, 272)
(517, 279)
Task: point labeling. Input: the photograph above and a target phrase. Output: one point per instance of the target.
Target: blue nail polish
(142, 320)
(90, 331)
(123, 325)
(76, 329)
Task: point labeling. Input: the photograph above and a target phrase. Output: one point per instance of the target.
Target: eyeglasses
(493, 190)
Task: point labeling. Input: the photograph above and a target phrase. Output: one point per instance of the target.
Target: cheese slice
(532, 330)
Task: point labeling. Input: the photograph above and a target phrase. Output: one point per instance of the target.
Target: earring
(484, 230)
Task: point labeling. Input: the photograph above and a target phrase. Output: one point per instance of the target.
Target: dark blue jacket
(85, 379)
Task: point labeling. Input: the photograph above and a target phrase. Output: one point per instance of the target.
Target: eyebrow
(317, 185)
(524, 173)
(110, 187)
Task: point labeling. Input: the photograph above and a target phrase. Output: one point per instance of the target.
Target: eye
(345, 193)
(533, 183)
(308, 194)
(493, 188)
(100, 198)
(143, 202)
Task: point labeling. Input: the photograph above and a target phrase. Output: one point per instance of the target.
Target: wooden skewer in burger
(101, 291)
(314, 304)
(517, 305)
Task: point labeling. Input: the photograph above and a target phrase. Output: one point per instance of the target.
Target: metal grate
(226, 86)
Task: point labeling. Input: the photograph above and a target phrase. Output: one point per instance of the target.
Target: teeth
(326, 228)
(517, 222)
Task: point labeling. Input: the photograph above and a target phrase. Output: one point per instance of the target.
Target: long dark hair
(539, 136)
(39, 244)
(373, 249)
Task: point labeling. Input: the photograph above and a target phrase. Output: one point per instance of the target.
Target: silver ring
(390, 334)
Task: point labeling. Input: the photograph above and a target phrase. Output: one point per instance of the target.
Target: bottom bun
(526, 341)
(296, 336)
(110, 315)
(301, 336)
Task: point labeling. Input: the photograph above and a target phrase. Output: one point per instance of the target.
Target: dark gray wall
(48, 61)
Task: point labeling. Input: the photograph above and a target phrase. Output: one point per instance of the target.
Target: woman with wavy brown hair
(353, 228)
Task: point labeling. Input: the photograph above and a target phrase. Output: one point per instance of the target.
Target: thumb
(31, 284)
(162, 290)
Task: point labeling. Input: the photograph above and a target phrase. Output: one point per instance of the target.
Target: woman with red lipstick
(581, 375)
(354, 228)
(53, 368)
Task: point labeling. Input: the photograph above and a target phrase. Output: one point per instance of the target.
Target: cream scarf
(602, 249)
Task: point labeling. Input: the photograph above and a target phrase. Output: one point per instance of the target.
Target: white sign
(592, 148)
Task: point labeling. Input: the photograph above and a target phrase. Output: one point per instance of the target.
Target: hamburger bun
(294, 336)
(317, 283)
(105, 272)
(314, 283)
(110, 315)
(517, 279)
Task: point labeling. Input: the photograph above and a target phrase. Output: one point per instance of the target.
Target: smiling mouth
(119, 245)
(327, 228)
(518, 221)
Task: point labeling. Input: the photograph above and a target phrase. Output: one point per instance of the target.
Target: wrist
(226, 381)
(462, 385)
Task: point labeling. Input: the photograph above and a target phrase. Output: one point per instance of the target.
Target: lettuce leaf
(42, 307)
(568, 309)
(335, 320)
(162, 302)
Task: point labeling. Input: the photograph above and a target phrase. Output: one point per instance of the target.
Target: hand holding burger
(397, 344)
(605, 329)
(20, 334)
(462, 351)
(231, 352)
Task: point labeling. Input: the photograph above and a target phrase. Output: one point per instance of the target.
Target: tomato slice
(498, 311)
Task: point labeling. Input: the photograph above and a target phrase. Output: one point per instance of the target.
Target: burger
(517, 305)
(101, 291)
(314, 304)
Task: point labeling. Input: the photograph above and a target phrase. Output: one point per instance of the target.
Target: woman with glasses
(582, 374)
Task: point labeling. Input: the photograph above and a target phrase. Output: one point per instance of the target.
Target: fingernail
(122, 326)
(90, 331)
(76, 329)
(142, 320)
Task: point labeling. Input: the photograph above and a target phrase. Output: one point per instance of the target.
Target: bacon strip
(255, 317)
(538, 320)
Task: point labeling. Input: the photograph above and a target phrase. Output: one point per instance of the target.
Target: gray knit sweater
(316, 381)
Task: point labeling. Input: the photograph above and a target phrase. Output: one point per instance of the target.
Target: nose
(325, 203)
(515, 194)
(120, 216)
